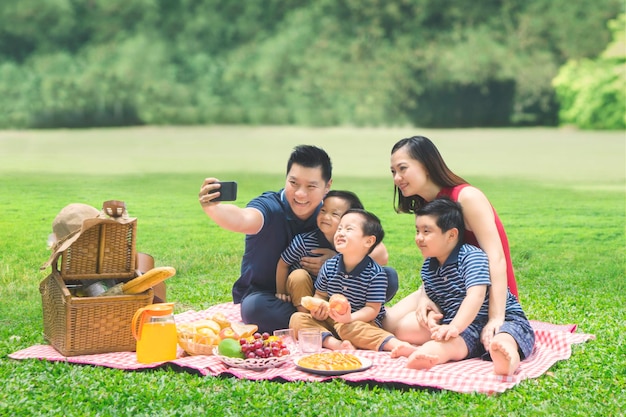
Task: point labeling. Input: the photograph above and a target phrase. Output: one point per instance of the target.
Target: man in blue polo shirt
(270, 221)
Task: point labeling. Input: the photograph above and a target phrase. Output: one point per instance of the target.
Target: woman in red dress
(420, 175)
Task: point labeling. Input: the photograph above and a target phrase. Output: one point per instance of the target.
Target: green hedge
(592, 93)
(70, 63)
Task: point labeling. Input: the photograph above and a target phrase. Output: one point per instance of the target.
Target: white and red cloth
(553, 343)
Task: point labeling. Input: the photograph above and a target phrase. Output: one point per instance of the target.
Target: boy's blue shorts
(515, 324)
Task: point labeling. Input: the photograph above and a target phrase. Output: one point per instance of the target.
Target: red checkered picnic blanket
(553, 343)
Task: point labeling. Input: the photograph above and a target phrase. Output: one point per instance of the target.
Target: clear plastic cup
(310, 340)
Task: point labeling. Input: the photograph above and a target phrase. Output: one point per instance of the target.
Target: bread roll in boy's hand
(312, 303)
(339, 303)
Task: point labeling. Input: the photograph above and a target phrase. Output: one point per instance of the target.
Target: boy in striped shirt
(293, 281)
(456, 277)
(361, 280)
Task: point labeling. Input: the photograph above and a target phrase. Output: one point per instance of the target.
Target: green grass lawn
(559, 193)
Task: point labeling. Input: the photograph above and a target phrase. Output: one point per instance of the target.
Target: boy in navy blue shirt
(456, 277)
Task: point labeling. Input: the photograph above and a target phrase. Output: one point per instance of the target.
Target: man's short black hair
(310, 156)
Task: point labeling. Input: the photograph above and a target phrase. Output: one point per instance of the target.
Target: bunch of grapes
(263, 346)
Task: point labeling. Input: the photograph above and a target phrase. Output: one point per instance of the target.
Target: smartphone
(228, 191)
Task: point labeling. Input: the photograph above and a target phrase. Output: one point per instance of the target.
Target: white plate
(255, 364)
(365, 362)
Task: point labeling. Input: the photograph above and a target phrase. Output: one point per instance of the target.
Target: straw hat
(71, 222)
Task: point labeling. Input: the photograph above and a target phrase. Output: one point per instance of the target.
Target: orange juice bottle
(154, 329)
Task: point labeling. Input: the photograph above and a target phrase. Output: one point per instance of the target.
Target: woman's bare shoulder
(471, 194)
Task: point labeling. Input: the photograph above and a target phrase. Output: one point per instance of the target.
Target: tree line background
(429, 63)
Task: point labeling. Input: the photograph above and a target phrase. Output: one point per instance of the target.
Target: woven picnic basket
(88, 325)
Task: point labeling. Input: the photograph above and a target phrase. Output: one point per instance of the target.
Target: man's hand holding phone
(213, 191)
(227, 191)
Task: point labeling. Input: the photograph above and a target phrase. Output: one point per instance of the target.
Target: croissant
(312, 303)
(339, 303)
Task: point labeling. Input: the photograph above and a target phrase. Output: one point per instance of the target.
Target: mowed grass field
(549, 156)
(559, 192)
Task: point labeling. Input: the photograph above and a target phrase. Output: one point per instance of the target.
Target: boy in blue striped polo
(362, 281)
(293, 281)
(456, 277)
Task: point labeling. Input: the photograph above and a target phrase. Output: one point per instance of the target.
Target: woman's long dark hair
(423, 150)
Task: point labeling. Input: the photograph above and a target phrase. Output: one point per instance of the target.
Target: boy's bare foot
(403, 349)
(419, 360)
(333, 343)
(505, 357)
(347, 345)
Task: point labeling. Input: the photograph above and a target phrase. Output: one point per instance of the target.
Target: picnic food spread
(331, 361)
(99, 298)
(199, 337)
(259, 351)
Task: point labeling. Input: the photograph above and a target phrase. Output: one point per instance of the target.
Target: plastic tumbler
(310, 340)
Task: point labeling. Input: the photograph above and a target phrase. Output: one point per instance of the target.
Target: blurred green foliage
(592, 93)
(74, 63)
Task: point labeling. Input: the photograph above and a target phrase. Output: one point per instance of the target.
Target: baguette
(312, 303)
(148, 280)
(142, 282)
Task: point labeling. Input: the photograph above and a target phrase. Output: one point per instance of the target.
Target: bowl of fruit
(259, 351)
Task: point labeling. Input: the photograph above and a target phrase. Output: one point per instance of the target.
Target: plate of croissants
(332, 363)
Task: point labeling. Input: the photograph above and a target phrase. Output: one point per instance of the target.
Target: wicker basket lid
(73, 220)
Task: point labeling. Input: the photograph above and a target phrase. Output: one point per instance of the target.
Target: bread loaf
(148, 280)
(312, 303)
(142, 282)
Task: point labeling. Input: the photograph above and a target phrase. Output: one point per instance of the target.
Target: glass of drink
(310, 340)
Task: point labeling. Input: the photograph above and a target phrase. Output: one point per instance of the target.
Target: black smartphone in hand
(228, 191)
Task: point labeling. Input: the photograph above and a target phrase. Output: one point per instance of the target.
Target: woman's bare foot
(420, 360)
(505, 357)
(403, 349)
